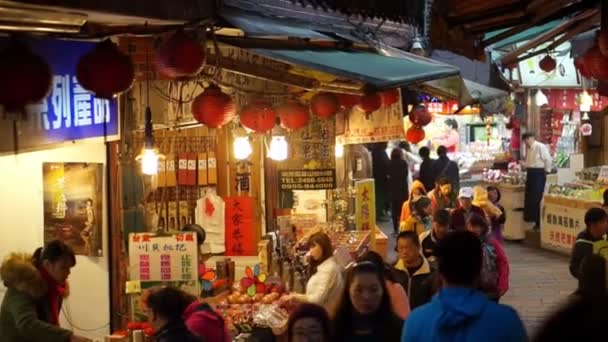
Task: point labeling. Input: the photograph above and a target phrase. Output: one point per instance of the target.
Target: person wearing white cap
(465, 209)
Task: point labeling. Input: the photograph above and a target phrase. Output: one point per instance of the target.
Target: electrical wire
(68, 317)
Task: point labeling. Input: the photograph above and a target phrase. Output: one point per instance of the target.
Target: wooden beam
(494, 23)
(551, 34)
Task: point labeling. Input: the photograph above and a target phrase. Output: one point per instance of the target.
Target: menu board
(163, 258)
(307, 179)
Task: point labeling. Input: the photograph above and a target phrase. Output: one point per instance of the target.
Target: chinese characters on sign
(365, 210)
(166, 258)
(307, 179)
(239, 226)
(560, 226)
(69, 112)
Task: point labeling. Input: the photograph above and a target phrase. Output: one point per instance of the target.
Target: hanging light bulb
(242, 148)
(149, 155)
(339, 150)
(585, 102)
(278, 148)
(417, 48)
(586, 116)
(540, 98)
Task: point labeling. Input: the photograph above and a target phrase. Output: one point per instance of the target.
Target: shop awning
(467, 93)
(376, 71)
(522, 36)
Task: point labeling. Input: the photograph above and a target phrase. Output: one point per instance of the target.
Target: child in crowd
(430, 238)
(494, 277)
(596, 222)
(421, 220)
(417, 191)
(498, 222)
(415, 274)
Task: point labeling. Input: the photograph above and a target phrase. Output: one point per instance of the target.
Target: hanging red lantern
(370, 103)
(105, 70)
(595, 63)
(547, 64)
(348, 101)
(390, 97)
(26, 77)
(258, 116)
(324, 105)
(213, 108)
(181, 55)
(415, 134)
(293, 115)
(579, 63)
(602, 42)
(420, 116)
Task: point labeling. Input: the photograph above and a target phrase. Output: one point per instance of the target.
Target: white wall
(21, 229)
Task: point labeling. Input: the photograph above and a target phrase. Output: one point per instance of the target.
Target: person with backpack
(444, 167)
(596, 222)
(494, 275)
(459, 312)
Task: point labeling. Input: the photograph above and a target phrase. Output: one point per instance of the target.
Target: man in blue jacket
(459, 312)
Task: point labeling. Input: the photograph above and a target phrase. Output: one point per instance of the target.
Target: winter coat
(416, 224)
(428, 243)
(426, 175)
(326, 285)
(406, 209)
(25, 312)
(459, 219)
(176, 332)
(439, 201)
(397, 180)
(419, 286)
(459, 314)
(582, 247)
(444, 167)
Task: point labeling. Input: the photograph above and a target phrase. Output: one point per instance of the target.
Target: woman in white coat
(326, 282)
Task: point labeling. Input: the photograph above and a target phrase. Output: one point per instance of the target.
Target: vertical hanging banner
(239, 226)
(69, 112)
(365, 210)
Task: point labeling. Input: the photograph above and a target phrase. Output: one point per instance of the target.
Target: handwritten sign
(239, 226)
(365, 211)
(163, 258)
(307, 179)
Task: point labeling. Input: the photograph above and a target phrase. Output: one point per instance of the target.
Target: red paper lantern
(348, 101)
(105, 70)
(180, 56)
(258, 116)
(415, 134)
(213, 108)
(293, 115)
(420, 116)
(602, 42)
(370, 103)
(390, 97)
(547, 64)
(25, 77)
(324, 105)
(595, 63)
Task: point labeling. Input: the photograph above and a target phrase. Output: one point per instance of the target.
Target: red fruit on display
(25, 77)
(390, 97)
(105, 70)
(293, 115)
(370, 103)
(213, 108)
(324, 105)
(415, 134)
(181, 55)
(258, 116)
(420, 116)
(547, 64)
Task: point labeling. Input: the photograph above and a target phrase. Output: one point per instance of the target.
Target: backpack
(489, 268)
(600, 247)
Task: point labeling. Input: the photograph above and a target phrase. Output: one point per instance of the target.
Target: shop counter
(562, 219)
(512, 199)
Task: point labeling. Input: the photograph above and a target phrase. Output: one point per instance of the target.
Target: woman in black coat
(397, 185)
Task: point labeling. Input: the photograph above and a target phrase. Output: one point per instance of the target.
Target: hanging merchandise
(211, 168)
(105, 70)
(390, 97)
(213, 108)
(348, 101)
(293, 115)
(173, 223)
(181, 55)
(420, 116)
(182, 168)
(547, 64)
(210, 214)
(415, 134)
(184, 214)
(26, 77)
(171, 171)
(202, 169)
(370, 103)
(191, 177)
(258, 116)
(161, 176)
(324, 105)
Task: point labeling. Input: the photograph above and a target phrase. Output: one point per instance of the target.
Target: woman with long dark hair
(365, 313)
(36, 286)
(325, 283)
(397, 185)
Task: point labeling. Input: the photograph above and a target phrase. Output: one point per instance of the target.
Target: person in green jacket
(36, 286)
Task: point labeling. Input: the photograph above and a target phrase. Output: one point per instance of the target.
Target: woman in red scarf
(36, 286)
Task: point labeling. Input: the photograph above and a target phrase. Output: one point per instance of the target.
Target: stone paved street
(539, 282)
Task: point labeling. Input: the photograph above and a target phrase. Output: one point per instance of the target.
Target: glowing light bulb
(339, 150)
(541, 99)
(149, 161)
(278, 148)
(242, 148)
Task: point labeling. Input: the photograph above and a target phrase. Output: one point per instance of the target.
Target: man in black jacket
(426, 175)
(596, 222)
(444, 167)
